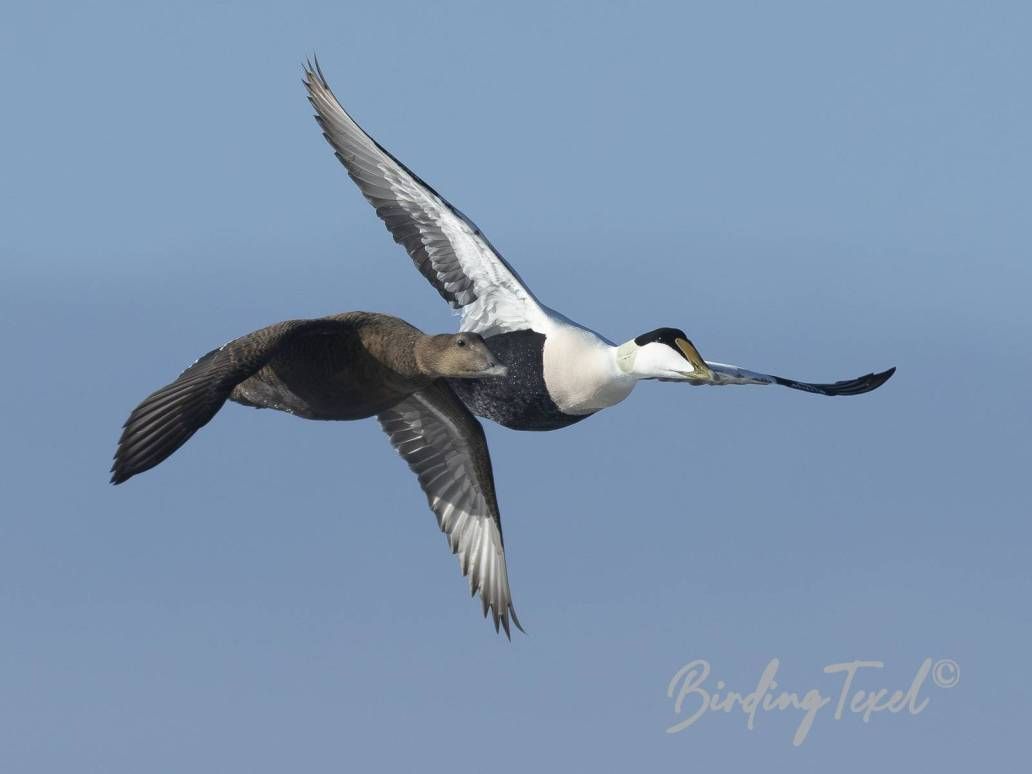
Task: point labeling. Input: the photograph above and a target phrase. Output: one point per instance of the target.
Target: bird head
(665, 353)
(461, 356)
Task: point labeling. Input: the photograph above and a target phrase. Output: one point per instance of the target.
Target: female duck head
(457, 356)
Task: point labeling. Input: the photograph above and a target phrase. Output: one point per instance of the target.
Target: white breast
(580, 370)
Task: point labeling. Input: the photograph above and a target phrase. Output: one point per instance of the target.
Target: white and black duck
(345, 367)
(559, 372)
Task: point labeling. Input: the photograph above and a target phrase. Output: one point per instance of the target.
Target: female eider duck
(559, 371)
(351, 366)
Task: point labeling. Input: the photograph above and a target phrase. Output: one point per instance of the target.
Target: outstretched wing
(444, 445)
(446, 246)
(167, 418)
(728, 374)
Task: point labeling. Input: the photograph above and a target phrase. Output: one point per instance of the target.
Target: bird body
(559, 371)
(367, 366)
(515, 361)
(553, 380)
(346, 367)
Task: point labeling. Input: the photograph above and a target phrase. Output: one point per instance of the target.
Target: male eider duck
(559, 372)
(351, 366)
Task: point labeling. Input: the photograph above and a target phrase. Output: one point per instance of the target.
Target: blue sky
(813, 189)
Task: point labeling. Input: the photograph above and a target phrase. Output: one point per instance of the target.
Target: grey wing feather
(444, 445)
(446, 246)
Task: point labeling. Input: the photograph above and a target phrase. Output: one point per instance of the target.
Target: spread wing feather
(167, 418)
(729, 374)
(446, 246)
(444, 445)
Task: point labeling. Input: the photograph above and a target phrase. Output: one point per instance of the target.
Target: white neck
(582, 371)
(623, 356)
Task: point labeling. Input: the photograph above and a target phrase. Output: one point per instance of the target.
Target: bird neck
(395, 345)
(426, 354)
(623, 357)
(581, 371)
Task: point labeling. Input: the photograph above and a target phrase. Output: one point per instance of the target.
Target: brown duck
(351, 366)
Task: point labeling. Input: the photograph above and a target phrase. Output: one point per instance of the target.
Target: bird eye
(461, 342)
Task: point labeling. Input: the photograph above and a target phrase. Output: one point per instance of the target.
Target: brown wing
(166, 419)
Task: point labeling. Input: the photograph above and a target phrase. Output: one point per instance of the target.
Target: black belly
(519, 400)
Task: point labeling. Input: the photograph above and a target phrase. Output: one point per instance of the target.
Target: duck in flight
(559, 371)
(344, 367)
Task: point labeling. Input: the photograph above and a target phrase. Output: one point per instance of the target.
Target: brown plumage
(344, 367)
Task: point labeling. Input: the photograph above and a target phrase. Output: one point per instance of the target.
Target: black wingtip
(507, 618)
(310, 72)
(313, 71)
(515, 620)
(123, 469)
(857, 386)
(118, 474)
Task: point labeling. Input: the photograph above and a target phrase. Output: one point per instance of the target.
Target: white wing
(444, 445)
(446, 246)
